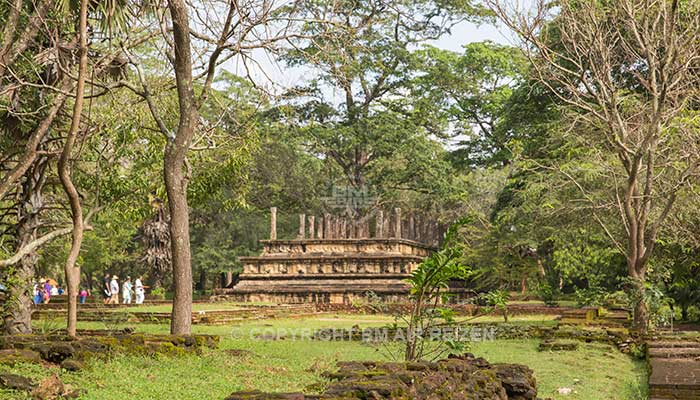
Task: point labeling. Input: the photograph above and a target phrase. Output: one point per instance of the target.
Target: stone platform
(675, 370)
(334, 270)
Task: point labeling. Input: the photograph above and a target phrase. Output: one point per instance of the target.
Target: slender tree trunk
(523, 283)
(175, 178)
(64, 171)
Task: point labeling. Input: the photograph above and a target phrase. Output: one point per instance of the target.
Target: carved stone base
(336, 271)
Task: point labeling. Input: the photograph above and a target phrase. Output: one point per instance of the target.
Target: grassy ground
(244, 361)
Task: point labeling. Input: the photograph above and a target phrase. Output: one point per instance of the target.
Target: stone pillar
(302, 226)
(379, 233)
(226, 279)
(336, 228)
(344, 228)
(397, 229)
(411, 228)
(364, 229)
(312, 225)
(420, 229)
(273, 223)
(327, 228)
(319, 231)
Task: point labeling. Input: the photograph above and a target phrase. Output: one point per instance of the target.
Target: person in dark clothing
(106, 292)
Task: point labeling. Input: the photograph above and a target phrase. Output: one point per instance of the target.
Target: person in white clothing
(140, 291)
(126, 290)
(114, 290)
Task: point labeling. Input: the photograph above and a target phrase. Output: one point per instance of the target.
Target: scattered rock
(552, 345)
(57, 352)
(257, 395)
(16, 382)
(49, 388)
(72, 365)
(565, 391)
(518, 380)
(239, 353)
(13, 356)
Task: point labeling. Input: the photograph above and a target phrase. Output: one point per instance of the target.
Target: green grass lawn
(246, 362)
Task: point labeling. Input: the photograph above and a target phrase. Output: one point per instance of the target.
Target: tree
(623, 69)
(231, 31)
(72, 271)
(471, 91)
(35, 71)
(354, 110)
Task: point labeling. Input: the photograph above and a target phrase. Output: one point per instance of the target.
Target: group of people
(47, 288)
(44, 289)
(111, 290)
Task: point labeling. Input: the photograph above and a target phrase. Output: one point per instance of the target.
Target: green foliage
(499, 300)
(158, 293)
(429, 284)
(471, 91)
(590, 296)
(547, 294)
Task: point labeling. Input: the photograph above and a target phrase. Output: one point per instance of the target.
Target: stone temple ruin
(337, 260)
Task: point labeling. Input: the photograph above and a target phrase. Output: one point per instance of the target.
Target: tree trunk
(637, 272)
(523, 283)
(17, 308)
(175, 178)
(175, 185)
(641, 316)
(71, 269)
(19, 298)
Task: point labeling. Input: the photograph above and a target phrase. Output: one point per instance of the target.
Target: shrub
(547, 295)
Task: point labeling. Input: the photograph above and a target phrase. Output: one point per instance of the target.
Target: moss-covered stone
(57, 348)
(457, 378)
(557, 345)
(72, 365)
(16, 382)
(14, 356)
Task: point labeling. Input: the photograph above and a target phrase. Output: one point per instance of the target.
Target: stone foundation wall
(307, 297)
(345, 246)
(285, 266)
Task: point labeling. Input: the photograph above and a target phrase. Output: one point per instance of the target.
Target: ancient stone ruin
(456, 378)
(337, 260)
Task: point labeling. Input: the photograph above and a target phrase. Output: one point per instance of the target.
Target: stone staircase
(675, 370)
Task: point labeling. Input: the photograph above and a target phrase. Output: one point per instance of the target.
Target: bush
(547, 294)
(499, 300)
(590, 297)
(157, 294)
(618, 299)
